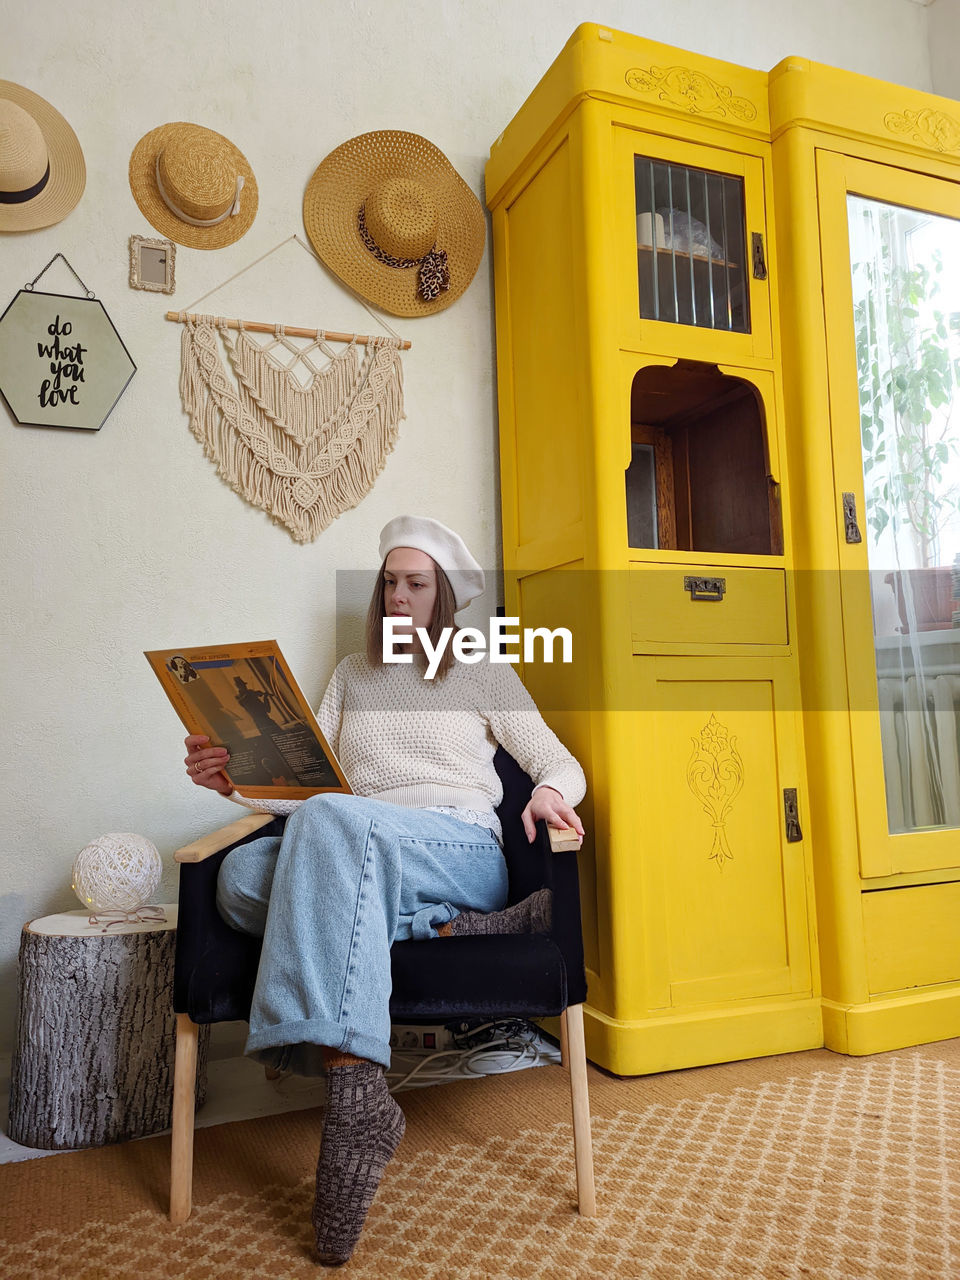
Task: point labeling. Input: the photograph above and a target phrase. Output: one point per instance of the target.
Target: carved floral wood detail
(691, 90)
(932, 128)
(715, 776)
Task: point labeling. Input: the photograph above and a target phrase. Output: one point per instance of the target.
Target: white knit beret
(447, 548)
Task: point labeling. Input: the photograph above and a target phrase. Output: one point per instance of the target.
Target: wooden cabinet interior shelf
(686, 255)
(699, 479)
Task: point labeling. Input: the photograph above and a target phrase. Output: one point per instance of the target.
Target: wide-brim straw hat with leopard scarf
(388, 213)
(193, 185)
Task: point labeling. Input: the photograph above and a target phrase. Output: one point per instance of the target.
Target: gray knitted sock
(362, 1129)
(532, 915)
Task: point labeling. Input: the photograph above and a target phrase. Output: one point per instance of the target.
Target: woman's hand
(205, 764)
(549, 804)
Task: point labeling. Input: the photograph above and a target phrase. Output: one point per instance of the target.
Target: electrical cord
(488, 1049)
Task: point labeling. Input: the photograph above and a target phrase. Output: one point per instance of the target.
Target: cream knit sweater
(416, 742)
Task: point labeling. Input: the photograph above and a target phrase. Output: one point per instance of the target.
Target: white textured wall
(943, 29)
(126, 539)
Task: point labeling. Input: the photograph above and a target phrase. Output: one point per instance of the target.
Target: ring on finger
(196, 767)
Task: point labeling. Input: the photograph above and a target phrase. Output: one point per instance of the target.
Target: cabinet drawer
(751, 608)
(911, 934)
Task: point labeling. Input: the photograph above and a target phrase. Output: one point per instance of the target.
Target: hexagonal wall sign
(62, 363)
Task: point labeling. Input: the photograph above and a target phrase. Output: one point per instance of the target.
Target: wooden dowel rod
(257, 326)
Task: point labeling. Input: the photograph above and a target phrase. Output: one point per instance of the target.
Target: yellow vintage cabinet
(866, 181)
(647, 505)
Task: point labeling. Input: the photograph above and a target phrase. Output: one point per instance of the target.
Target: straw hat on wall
(42, 173)
(193, 185)
(388, 213)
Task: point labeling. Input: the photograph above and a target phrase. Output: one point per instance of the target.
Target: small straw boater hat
(388, 213)
(193, 185)
(42, 173)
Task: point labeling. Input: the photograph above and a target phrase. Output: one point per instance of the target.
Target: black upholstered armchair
(536, 975)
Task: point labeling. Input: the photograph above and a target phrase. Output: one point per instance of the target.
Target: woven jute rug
(812, 1166)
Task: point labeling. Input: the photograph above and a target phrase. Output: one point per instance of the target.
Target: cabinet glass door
(890, 242)
(689, 245)
(905, 270)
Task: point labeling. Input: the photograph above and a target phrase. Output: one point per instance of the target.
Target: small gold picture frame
(151, 264)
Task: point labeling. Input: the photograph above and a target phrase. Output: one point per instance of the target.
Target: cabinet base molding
(701, 1037)
(894, 1022)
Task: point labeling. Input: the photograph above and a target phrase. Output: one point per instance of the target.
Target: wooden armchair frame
(562, 844)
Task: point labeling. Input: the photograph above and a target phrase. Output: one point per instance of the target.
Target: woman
(414, 853)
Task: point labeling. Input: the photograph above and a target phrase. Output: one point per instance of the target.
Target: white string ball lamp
(117, 872)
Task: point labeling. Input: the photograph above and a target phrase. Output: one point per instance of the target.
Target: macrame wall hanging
(299, 429)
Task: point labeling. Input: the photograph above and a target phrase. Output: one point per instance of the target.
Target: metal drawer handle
(705, 588)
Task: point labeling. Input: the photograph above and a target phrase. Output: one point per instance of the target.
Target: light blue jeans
(349, 877)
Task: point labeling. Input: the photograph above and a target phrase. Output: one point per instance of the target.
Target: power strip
(410, 1038)
(472, 1049)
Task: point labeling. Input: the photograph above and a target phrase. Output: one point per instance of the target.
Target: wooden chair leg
(572, 1022)
(184, 1106)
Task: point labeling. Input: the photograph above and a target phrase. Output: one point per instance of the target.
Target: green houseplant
(908, 382)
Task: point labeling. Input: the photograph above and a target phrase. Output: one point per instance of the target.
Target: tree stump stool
(95, 1033)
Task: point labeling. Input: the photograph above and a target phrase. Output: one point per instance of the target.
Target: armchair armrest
(563, 839)
(207, 846)
(559, 871)
(215, 967)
